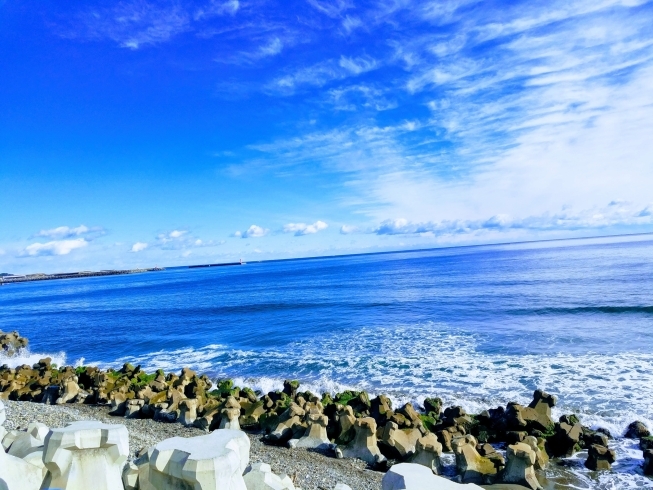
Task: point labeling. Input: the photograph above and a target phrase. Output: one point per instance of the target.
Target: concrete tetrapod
(16, 474)
(520, 466)
(407, 476)
(230, 415)
(316, 434)
(130, 476)
(364, 446)
(428, 453)
(259, 476)
(212, 462)
(598, 457)
(9, 438)
(537, 445)
(84, 455)
(188, 409)
(290, 422)
(70, 390)
(471, 465)
(3, 414)
(30, 441)
(399, 443)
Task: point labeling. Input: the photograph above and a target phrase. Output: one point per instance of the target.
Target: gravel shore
(310, 470)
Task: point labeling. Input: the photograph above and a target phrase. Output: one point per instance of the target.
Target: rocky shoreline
(320, 440)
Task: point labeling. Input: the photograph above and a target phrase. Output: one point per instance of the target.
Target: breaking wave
(25, 356)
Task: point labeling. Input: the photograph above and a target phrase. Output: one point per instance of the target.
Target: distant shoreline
(13, 279)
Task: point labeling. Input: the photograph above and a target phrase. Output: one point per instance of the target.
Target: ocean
(476, 326)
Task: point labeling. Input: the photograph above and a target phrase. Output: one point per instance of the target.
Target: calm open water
(477, 326)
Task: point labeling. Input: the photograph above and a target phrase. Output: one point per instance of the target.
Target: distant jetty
(216, 265)
(11, 279)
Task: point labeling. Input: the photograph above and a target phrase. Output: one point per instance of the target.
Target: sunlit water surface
(477, 326)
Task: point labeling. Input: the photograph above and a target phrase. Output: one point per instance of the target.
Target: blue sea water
(477, 326)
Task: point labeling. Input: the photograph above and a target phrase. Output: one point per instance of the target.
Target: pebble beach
(310, 470)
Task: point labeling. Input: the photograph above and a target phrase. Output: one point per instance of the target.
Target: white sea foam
(25, 356)
(413, 362)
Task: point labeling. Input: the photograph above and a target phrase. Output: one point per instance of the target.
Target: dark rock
(637, 430)
(433, 406)
(648, 462)
(605, 431)
(564, 442)
(515, 436)
(646, 443)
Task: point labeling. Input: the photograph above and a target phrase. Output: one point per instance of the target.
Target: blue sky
(137, 133)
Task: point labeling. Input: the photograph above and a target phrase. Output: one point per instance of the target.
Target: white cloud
(273, 47)
(132, 24)
(358, 65)
(349, 229)
(615, 213)
(139, 246)
(323, 72)
(300, 229)
(55, 247)
(555, 114)
(331, 8)
(174, 235)
(217, 8)
(68, 232)
(253, 231)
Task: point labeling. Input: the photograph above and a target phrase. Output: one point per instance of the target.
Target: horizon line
(545, 240)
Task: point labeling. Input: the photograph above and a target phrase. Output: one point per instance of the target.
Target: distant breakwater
(70, 275)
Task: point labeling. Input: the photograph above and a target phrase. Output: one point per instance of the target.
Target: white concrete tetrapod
(16, 474)
(3, 414)
(212, 462)
(30, 441)
(130, 476)
(85, 455)
(259, 476)
(408, 476)
(9, 438)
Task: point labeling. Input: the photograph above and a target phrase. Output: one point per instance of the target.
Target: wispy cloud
(217, 8)
(55, 247)
(134, 24)
(253, 231)
(69, 232)
(615, 213)
(131, 24)
(331, 8)
(321, 73)
(553, 112)
(301, 229)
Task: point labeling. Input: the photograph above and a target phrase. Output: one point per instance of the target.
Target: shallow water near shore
(477, 326)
